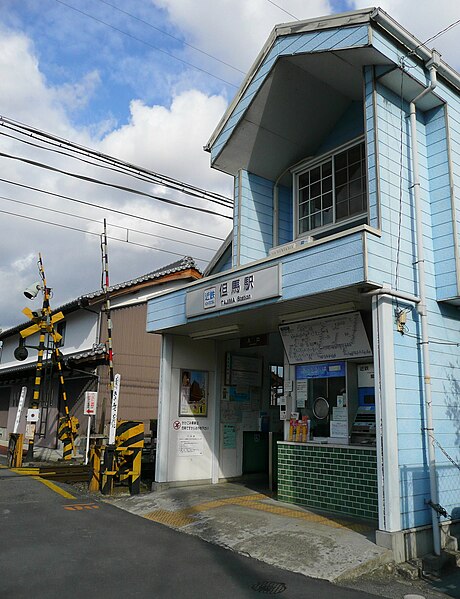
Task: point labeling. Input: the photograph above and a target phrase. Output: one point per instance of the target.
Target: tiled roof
(186, 263)
(97, 351)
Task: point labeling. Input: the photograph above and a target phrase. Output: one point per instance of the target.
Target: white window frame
(309, 164)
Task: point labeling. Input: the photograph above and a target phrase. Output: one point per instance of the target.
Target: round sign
(176, 425)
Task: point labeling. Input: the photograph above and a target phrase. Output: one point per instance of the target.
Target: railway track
(64, 474)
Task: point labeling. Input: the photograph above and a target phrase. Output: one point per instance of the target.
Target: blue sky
(70, 74)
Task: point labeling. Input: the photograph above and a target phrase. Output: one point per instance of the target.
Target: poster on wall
(229, 441)
(193, 400)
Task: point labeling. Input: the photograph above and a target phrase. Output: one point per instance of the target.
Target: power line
(107, 184)
(172, 36)
(226, 204)
(142, 245)
(94, 220)
(189, 64)
(283, 9)
(107, 208)
(160, 179)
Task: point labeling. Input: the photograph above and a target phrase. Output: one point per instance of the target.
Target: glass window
(332, 191)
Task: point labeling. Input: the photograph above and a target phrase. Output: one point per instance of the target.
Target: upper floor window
(333, 190)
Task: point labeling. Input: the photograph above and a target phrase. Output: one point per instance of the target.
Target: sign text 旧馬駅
(235, 291)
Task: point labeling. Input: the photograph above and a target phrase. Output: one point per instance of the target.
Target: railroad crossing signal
(41, 322)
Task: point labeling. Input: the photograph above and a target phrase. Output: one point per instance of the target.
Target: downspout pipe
(421, 306)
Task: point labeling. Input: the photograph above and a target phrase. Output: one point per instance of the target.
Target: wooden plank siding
(136, 357)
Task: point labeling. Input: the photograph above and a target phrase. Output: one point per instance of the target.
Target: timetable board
(322, 339)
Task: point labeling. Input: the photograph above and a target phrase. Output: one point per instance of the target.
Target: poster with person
(193, 399)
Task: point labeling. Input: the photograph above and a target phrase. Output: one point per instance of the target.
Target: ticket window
(317, 409)
(318, 387)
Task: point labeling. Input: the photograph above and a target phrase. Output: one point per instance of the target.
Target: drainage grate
(269, 588)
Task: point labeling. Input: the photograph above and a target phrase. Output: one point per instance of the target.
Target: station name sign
(250, 287)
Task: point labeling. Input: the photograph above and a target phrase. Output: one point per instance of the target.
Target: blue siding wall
(392, 259)
(285, 232)
(322, 267)
(371, 146)
(349, 126)
(441, 203)
(256, 235)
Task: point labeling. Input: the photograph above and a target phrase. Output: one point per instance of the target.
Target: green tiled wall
(338, 479)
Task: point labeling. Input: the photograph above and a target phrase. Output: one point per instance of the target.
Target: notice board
(321, 339)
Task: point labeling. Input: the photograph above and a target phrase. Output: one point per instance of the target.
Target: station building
(330, 317)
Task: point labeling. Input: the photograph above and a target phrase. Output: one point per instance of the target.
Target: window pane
(326, 169)
(341, 210)
(355, 187)
(305, 194)
(327, 216)
(304, 225)
(315, 174)
(315, 190)
(317, 204)
(316, 219)
(355, 171)
(354, 154)
(356, 205)
(304, 179)
(304, 210)
(327, 184)
(340, 161)
(341, 177)
(327, 200)
(341, 193)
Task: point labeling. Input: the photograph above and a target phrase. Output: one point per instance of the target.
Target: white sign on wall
(238, 290)
(190, 444)
(324, 339)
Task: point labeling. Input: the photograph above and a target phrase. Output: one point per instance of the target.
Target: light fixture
(220, 332)
(32, 291)
(316, 312)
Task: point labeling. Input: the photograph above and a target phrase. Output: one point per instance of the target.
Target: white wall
(171, 464)
(80, 335)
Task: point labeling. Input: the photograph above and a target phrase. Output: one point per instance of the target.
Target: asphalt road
(54, 546)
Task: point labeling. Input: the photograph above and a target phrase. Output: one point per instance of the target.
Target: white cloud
(235, 30)
(170, 139)
(423, 18)
(167, 140)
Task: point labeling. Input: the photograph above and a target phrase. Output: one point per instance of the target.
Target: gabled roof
(185, 264)
(315, 67)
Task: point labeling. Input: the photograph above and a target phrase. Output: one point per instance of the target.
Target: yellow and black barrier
(122, 461)
(15, 445)
(95, 454)
(67, 433)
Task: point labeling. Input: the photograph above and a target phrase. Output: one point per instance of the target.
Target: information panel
(332, 338)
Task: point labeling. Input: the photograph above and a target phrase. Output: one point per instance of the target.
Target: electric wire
(283, 9)
(160, 179)
(107, 208)
(433, 37)
(113, 185)
(113, 169)
(94, 220)
(137, 39)
(142, 245)
(171, 36)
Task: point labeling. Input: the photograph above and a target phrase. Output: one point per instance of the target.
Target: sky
(146, 81)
